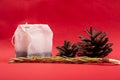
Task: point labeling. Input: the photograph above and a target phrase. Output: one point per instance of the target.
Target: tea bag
(33, 40)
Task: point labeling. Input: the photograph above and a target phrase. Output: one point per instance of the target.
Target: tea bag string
(26, 29)
(13, 37)
(12, 40)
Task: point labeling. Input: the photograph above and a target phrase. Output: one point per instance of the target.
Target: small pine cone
(67, 50)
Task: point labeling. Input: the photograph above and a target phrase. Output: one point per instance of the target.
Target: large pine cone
(95, 46)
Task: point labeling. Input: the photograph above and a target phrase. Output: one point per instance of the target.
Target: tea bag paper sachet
(33, 40)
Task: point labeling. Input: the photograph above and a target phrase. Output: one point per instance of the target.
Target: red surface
(67, 19)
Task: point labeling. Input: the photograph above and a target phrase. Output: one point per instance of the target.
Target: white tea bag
(33, 40)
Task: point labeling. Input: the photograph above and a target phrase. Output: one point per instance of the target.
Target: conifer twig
(80, 60)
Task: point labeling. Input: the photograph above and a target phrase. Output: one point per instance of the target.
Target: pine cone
(67, 50)
(94, 46)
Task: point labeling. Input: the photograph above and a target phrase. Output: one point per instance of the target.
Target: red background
(68, 19)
